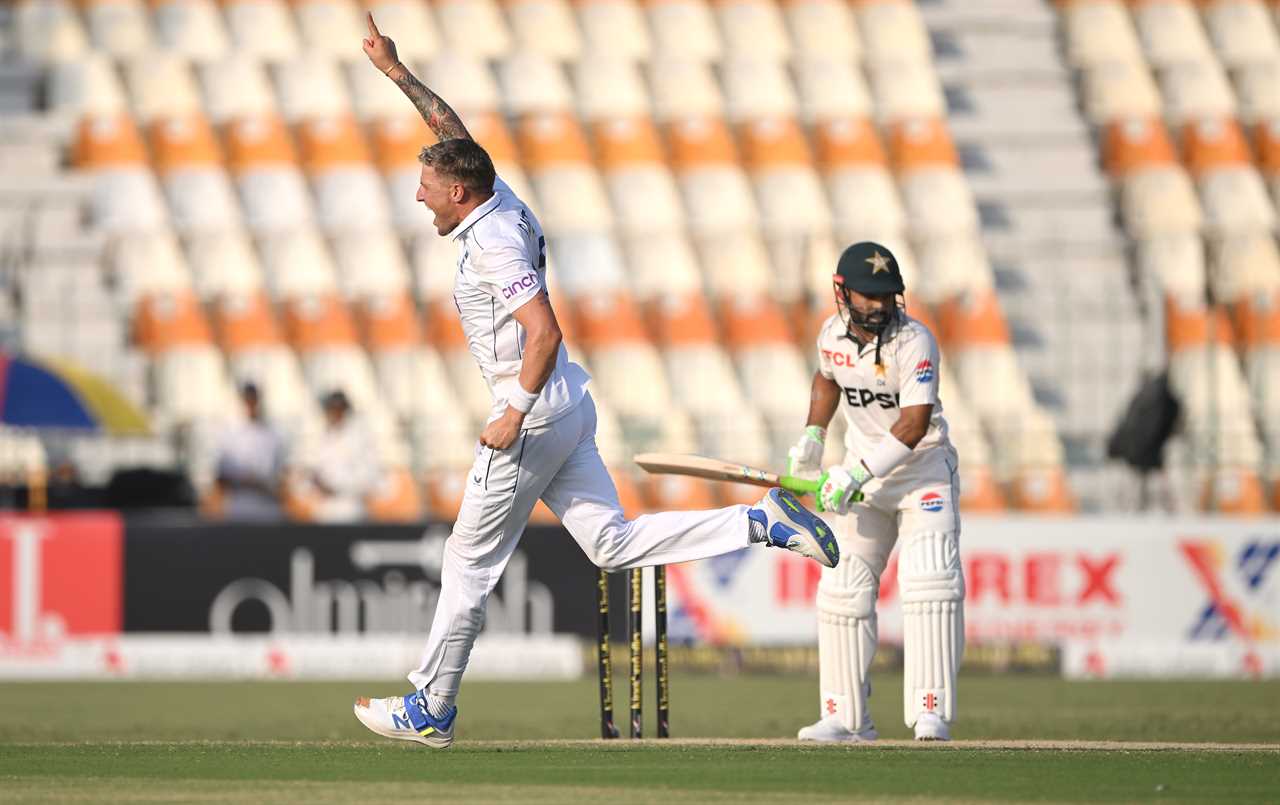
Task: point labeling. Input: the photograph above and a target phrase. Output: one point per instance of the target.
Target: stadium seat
(683, 29)
(297, 265)
(735, 262)
(921, 144)
(1235, 200)
(397, 142)
(782, 169)
(863, 195)
(188, 159)
(236, 87)
(118, 27)
(444, 332)
(609, 87)
(245, 322)
(1133, 144)
(1196, 91)
(641, 186)
(587, 263)
(952, 265)
(407, 16)
(373, 96)
(1120, 90)
(223, 263)
(753, 29)
(397, 498)
(318, 322)
(1258, 91)
(757, 89)
(1039, 482)
(473, 27)
(893, 34)
(311, 86)
(1245, 266)
(414, 382)
(615, 27)
(533, 84)
(825, 27)
(1098, 33)
(190, 382)
(160, 85)
(1242, 32)
(371, 264)
(272, 189)
(568, 186)
(327, 26)
(263, 29)
(1176, 261)
(830, 89)
(48, 31)
(148, 262)
(938, 203)
(659, 263)
(1159, 202)
(191, 28)
(87, 85)
(544, 27)
(683, 88)
(979, 491)
(465, 79)
(906, 91)
(716, 190)
(349, 192)
(1171, 32)
(164, 321)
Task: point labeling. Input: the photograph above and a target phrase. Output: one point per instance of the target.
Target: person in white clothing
(539, 441)
(250, 464)
(879, 367)
(343, 468)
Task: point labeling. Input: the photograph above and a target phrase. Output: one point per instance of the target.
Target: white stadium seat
(938, 202)
(473, 27)
(1258, 91)
(262, 28)
(87, 85)
(682, 87)
(531, 82)
(465, 80)
(311, 86)
(1176, 262)
(703, 380)
(587, 263)
(297, 264)
(1196, 92)
(1119, 90)
(1245, 265)
(545, 27)
(683, 29)
(756, 88)
(893, 34)
(615, 28)
(753, 30)
(1100, 33)
(1171, 33)
(275, 199)
(48, 31)
(161, 85)
(118, 27)
(830, 89)
(328, 26)
(865, 199)
(223, 263)
(660, 263)
(370, 263)
(609, 86)
(395, 16)
(236, 87)
(823, 27)
(1242, 32)
(1160, 202)
(192, 28)
(1235, 199)
(906, 91)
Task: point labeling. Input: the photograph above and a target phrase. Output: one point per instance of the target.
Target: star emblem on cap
(878, 263)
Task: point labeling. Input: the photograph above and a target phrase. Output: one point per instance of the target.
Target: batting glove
(804, 459)
(838, 488)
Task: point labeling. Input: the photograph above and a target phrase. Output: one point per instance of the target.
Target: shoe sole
(400, 735)
(852, 738)
(786, 508)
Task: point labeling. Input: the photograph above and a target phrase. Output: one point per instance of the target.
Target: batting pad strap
(886, 455)
(929, 568)
(520, 399)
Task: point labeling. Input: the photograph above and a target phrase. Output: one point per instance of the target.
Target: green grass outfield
(1022, 739)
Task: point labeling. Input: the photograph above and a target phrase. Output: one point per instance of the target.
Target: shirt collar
(475, 215)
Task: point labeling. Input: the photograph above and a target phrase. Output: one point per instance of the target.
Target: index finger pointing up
(373, 28)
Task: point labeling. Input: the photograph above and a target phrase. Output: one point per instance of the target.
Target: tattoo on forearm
(442, 120)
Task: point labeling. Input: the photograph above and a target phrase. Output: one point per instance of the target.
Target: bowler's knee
(608, 546)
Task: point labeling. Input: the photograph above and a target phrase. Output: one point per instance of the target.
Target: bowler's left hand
(501, 433)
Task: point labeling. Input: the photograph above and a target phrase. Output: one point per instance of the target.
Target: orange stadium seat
(1212, 143)
(972, 320)
(925, 143)
(752, 322)
(188, 159)
(255, 142)
(108, 142)
(777, 154)
(680, 319)
(640, 183)
(245, 322)
(1132, 144)
(571, 194)
(397, 499)
(186, 142)
(314, 322)
(390, 322)
(398, 140)
(631, 495)
(606, 320)
(442, 327)
(166, 321)
(444, 492)
(330, 143)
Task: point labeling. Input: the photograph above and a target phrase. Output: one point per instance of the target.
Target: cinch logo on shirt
(924, 371)
(862, 398)
(526, 282)
(839, 358)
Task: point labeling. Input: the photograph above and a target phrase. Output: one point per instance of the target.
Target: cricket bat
(717, 470)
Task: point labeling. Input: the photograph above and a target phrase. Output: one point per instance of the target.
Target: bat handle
(801, 486)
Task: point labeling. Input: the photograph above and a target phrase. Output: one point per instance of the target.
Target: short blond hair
(462, 159)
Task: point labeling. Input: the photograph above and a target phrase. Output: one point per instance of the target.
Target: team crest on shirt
(880, 374)
(932, 502)
(924, 371)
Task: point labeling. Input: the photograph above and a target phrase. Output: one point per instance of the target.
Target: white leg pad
(846, 640)
(932, 584)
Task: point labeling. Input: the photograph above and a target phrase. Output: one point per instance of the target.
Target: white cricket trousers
(560, 464)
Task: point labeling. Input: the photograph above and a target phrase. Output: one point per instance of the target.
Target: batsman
(879, 367)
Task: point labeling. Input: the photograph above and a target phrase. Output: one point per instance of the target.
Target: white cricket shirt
(502, 264)
(873, 399)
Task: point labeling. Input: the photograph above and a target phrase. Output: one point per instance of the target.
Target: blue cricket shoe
(407, 718)
(788, 524)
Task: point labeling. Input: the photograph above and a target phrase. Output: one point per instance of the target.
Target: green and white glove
(804, 459)
(838, 487)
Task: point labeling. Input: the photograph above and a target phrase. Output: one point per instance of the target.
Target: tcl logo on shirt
(60, 575)
(839, 358)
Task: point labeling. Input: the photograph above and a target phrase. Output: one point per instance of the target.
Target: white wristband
(520, 399)
(887, 455)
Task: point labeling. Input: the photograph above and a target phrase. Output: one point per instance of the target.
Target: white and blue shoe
(788, 524)
(407, 718)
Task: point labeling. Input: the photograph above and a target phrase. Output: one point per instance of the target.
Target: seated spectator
(250, 463)
(343, 468)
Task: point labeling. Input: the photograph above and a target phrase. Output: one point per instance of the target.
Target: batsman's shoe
(406, 718)
(831, 730)
(788, 524)
(931, 727)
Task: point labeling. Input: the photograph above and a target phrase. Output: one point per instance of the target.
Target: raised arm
(443, 121)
